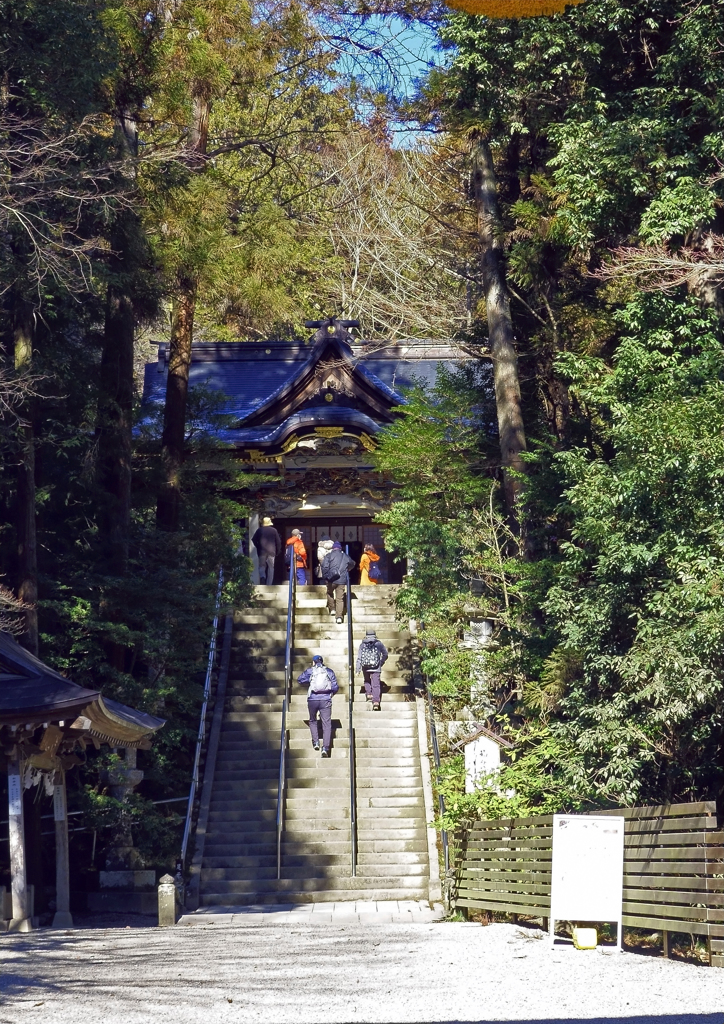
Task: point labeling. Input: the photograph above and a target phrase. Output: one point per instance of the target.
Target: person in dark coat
(322, 686)
(335, 573)
(268, 543)
(371, 656)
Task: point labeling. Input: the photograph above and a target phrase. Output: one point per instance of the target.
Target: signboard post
(587, 870)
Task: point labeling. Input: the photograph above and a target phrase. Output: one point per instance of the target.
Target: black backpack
(370, 656)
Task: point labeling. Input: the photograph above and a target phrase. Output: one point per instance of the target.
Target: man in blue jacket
(322, 685)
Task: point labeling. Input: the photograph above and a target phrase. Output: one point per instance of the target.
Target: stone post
(19, 883)
(122, 781)
(253, 522)
(166, 902)
(63, 917)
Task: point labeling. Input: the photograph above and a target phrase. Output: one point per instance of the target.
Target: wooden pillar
(63, 917)
(253, 553)
(19, 883)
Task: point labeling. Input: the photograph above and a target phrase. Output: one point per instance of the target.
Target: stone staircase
(239, 860)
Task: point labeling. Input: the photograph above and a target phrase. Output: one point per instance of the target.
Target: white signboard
(58, 803)
(15, 796)
(587, 870)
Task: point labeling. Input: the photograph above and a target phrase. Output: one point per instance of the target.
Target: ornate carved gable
(328, 376)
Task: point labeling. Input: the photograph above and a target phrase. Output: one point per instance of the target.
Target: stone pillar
(125, 886)
(166, 902)
(253, 522)
(122, 781)
(63, 917)
(21, 905)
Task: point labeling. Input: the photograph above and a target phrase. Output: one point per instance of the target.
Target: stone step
(340, 847)
(365, 721)
(219, 878)
(301, 884)
(236, 861)
(324, 896)
(234, 836)
(373, 847)
(326, 816)
(235, 771)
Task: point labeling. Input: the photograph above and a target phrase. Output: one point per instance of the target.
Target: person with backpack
(322, 686)
(371, 656)
(268, 543)
(335, 573)
(369, 571)
(323, 549)
(296, 549)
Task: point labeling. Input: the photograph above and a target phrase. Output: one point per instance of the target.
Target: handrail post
(440, 797)
(286, 700)
(352, 756)
(202, 721)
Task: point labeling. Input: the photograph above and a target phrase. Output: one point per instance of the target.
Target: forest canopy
(213, 170)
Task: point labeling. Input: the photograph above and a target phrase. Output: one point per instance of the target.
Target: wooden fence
(673, 870)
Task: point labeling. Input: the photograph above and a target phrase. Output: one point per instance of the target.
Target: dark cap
(318, 659)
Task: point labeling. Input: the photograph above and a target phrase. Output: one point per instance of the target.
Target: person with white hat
(371, 657)
(322, 686)
(268, 543)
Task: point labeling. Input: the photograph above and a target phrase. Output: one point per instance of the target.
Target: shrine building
(307, 414)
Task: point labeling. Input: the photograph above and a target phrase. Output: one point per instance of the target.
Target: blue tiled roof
(249, 374)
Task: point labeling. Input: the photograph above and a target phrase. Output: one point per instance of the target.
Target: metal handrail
(352, 755)
(202, 723)
(436, 758)
(288, 655)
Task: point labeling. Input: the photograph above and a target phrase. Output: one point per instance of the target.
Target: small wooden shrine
(46, 724)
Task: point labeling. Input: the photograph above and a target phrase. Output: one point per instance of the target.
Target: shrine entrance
(344, 518)
(352, 534)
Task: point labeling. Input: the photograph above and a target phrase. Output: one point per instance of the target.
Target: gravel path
(425, 972)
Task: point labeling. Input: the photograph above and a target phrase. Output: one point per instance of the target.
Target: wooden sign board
(59, 803)
(587, 870)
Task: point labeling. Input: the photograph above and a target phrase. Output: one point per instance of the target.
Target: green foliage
(639, 590)
(156, 835)
(606, 124)
(537, 777)
(437, 451)
(677, 211)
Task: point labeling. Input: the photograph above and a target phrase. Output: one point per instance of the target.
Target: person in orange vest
(295, 545)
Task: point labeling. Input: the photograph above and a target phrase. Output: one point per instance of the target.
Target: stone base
(118, 902)
(20, 925)
(137, 881)
(62, 919)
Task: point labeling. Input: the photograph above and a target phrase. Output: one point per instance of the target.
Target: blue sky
(386, 54)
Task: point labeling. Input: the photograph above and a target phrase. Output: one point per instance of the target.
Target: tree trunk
(179, 357)
(500, 326)
(115, 401)
(177, 387)
(115, 409)
(23, 338)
